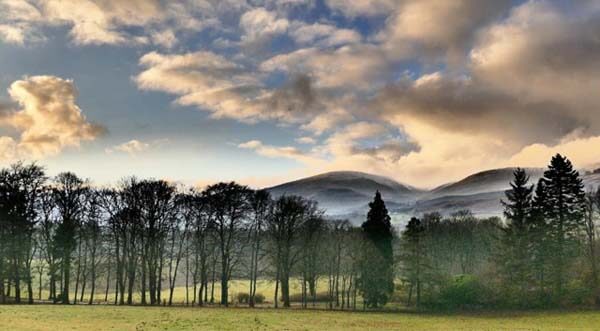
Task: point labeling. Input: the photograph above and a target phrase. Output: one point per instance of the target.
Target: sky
(265, 91)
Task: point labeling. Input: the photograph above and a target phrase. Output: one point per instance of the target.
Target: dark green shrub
(244, 298)
(259, 298)
(464, 291)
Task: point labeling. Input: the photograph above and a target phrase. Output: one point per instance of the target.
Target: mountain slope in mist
(346, 194)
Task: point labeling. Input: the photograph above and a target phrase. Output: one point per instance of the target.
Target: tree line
(132, 243)
(63, 240)
(544, 253)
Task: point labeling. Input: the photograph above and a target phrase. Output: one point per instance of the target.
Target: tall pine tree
(376, 282)
(539, 238)
(516, 253)
(563, 209)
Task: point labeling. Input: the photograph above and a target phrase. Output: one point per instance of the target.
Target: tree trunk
(66, 275)
(93, 274)
(107, 282)
(78, 271)
(285, 288)
(224, 280)
(17, 279)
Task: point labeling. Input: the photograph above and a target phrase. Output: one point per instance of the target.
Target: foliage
(244, 298)
(464, 292)
(376, 282)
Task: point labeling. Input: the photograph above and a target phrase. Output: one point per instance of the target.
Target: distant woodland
(65, 241)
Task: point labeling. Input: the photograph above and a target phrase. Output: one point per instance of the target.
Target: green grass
(101, 317)
(264, 287)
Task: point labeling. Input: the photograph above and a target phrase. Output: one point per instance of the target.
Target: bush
(464, 291)
(579, 294)
(259, 298)
(244, 298)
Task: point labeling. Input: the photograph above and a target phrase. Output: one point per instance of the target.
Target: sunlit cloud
(424, 91)
(46, 118)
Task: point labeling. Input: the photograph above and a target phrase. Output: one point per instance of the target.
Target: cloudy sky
(263, 91)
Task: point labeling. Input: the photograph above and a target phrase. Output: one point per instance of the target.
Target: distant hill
(482, 182)
(346, 194)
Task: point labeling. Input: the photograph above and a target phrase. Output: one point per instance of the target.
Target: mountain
(483, 182)
(346, 194)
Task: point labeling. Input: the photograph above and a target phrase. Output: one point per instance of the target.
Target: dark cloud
(298, 95)
(468, 106)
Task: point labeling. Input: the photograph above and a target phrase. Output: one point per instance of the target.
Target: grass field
(49, 317)
(264, 287)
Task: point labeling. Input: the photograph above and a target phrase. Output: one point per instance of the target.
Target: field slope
(46, 317)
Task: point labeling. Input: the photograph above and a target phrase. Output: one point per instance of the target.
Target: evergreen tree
(539, 237)
(516, 253)
(414, 258)
(376, 282)
(564, 210)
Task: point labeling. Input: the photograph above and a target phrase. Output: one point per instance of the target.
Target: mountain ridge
(347, 193)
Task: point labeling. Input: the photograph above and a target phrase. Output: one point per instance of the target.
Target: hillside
(346, 194)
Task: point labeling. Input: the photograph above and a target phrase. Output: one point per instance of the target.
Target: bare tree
(260, 204)
(284, 226)
(20, 186)
(229, 205)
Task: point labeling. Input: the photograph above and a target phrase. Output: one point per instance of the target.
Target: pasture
(105, 317)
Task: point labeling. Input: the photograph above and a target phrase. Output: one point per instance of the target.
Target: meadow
(105, 317)
(265, 287)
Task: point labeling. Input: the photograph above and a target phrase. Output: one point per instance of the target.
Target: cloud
(543, 53)
(165, 38)
(432, 28)
(12, 34)
(287, 152)
(94, 22)
(323, 35)
(469, 106)
(350, 66)
(306, 140)
(528, 92)
(260, 25)
(363, 145)
(47, 120)
(135, 146)
(227, 89)
(17, 22)
(354, 8)
(422, 89)
(112, 22)
(583, 152)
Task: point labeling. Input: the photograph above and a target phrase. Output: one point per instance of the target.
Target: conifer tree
(376, 281)
(564, 210)
(516, 253)
(539, 236)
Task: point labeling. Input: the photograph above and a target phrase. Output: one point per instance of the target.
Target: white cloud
(306, 140)
(260, 25)
(354, 8)
(350, 66)
(135, 146)
(226, 89)
(495, 85)
(165, 38)
(323, 34)
(287, 152)
(48, 119)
